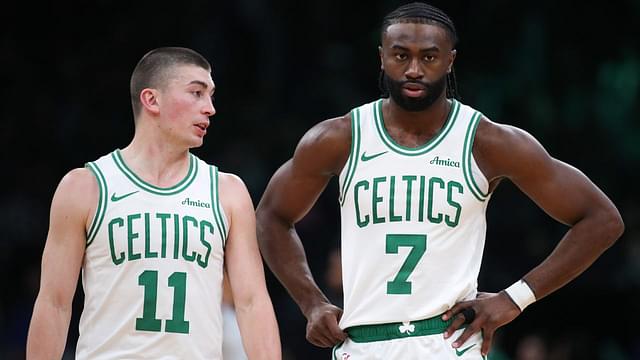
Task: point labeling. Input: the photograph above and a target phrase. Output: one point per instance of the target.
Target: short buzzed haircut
(152, 71)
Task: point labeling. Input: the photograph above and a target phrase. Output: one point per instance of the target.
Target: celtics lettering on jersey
(153, 264)
(175, 242)
(182, 236)
(406, 199)
(407, 213)
(380, 195)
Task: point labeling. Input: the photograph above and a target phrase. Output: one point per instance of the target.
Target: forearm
(48, 330)
(283, 252)
(259, 329)
(577, 250)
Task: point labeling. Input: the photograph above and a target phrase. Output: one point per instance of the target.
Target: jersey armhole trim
(215, 205)
(353, 154)
(466, 158)
(101, 209)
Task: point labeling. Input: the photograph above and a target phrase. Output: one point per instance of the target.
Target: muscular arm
(256, 319)
(290, 194)
(564, 193)
(61, 262)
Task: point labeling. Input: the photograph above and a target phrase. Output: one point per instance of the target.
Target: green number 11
(148, 322)
(418, 245)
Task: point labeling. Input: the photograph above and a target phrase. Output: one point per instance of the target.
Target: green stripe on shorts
(390, 331)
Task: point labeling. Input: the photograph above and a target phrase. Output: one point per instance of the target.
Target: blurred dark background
(566, 71)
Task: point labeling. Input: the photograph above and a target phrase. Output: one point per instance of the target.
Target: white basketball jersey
(413, 220)
(152, 271)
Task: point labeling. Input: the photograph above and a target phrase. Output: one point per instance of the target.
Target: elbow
(266, 231)
(251, 303)
(618, 226)
(264, 216)
(260, 213)
(613, 226)
(270, 222)
(262, 220)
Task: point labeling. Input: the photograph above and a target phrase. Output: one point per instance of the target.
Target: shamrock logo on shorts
(407, 327)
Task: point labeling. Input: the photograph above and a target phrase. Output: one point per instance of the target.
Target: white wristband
(521, 294)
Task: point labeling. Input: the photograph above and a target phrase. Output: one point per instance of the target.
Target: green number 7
(418, 244)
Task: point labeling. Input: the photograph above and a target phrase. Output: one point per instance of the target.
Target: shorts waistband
(397, 330)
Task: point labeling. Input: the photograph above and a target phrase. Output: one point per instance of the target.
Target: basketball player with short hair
(416, 171)
(153, 227)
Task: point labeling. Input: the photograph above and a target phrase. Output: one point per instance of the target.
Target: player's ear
(380, 54)
(452, 58)
(150, 100)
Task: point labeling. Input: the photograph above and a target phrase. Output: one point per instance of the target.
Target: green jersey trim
(466, 158)
(215, 204)
(183, 184)
(424, 148)
(334, 351)
(353, 157)
(397, 330)
(101, 209)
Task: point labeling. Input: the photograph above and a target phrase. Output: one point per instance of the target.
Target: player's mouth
(202, 128)
(413, 89)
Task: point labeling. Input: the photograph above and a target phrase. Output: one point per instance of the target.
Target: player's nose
(209, 109)
(413, 70)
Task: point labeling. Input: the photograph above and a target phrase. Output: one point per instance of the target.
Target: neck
(155, 160)
(426, 121)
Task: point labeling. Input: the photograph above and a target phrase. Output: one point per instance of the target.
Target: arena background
(566, 71)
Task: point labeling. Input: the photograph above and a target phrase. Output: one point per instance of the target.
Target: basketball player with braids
(416, 171)
(153, 227)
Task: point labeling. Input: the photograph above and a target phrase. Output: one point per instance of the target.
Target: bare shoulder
(337, 129)
(236, 202)
(495, 134)
(231, 184)
(326, 145)
(79, 183)
(80, 177)
(234, 195)
(76, 196)
(499, 149)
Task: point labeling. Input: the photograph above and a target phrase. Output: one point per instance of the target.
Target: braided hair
(421, 13)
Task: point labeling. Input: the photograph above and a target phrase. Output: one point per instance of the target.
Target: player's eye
(401, 56)
(429, 58)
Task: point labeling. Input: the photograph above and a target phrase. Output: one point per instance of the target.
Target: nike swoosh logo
(115, 198)
(460, 352)
(364, 156)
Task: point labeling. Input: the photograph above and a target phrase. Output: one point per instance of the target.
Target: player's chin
(196, 141)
